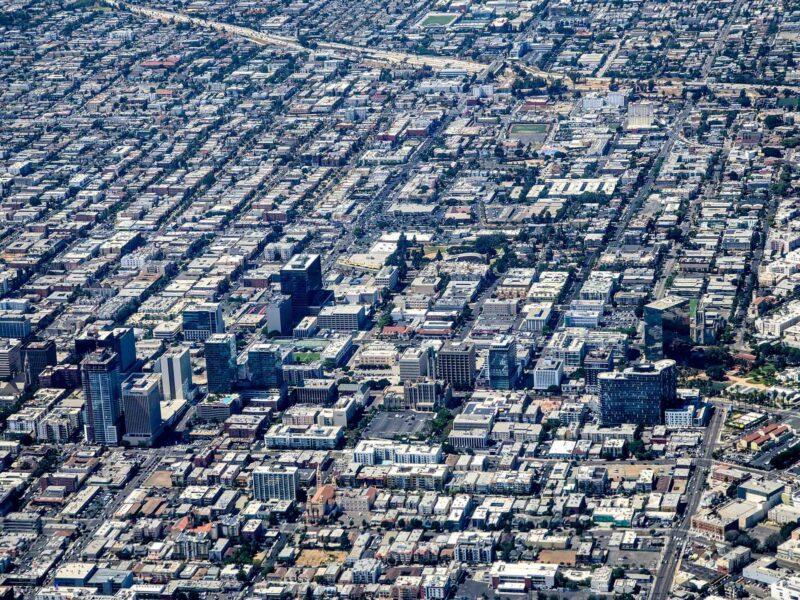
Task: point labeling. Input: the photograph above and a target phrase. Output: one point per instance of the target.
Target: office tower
(597, 361)
(120, 341)
(667, 328)
(279, 314)
(264, 363)
(202, 320)
(424, 394)
(176, 374)
(141, 407)
(342, 317)
(547, 373)
(455, 364)
(37, 356)
(413, 363)
(639, 394)
(503, 363)
(101, 395)
(301, 279)
(14, 324)
(220, 350)
(10, 357)
(279, 482)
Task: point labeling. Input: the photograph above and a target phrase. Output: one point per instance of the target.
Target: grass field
(528, 128)
(306, 357)
(438, 20)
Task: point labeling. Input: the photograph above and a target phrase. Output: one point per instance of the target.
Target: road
(673, 549)
(265, 39)
(389, 57)
(721, 39)
(634, 205)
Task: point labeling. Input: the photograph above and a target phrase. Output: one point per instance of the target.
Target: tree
(772, 542)
(787, 529)
(773, 121)
(744, 99)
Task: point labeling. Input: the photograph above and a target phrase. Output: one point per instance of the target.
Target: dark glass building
(38, 355)
(220, 351)
(667, 328)
(264, 364)
(503, 363)
(121, 341)
(639, 394)
(301, 280)
(202, 320)
(102, 411)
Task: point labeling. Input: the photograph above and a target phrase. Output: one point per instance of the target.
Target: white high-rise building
(279, 482)
(640, 115)
(176, 374)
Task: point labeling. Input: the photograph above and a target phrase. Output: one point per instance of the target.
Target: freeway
(390, 57)
(265, 39)
(673, 550)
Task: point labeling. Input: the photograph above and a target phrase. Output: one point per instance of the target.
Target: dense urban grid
(399, 299)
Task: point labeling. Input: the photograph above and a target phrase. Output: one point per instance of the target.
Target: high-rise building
(120, 340)
(37, 356)
(220, 350)
(301, 279)
(14, 324)
(278, 311)
(342, 317)
(101, 393)
(639, 394)
(279, 482)
(641, 115)
(202, 320)
(264, 362)
(667, 327)
(502, 363)
(414, 363)
(141, 406)
(597, 361)
(455, 364)
(10, 357)
(176, 374)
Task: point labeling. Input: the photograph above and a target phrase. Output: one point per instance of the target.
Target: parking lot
(389, 425)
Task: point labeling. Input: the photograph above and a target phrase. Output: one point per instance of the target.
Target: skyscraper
(38, 355)
(141, 404)
(279, 482)
(120, 340)
(264, 363)
(101, 393)
(202, 320)
(639, 394)
(455, 364)
(176, 374)
(600, 360)
(301, 279)
(502, 363)
(220, 350)
(667, 327)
